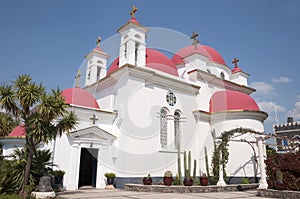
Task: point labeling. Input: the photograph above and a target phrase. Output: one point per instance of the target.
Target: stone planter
(168, 181)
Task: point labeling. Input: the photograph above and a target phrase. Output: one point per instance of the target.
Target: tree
(44, 115)
(7, 123)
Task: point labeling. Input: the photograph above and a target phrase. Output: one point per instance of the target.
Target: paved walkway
(122, 194)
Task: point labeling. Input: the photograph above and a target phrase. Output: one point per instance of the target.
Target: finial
(77, 77)
(133, 10)
(98, 41)
(194, 38)
(235, 61)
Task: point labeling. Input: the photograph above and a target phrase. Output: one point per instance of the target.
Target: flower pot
(204, 180)
(58, 179)
(188, 181)
(279, 185)
(110, 181)
(168, 181)
(147, 181)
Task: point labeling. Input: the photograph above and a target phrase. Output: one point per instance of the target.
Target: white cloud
(282, 80)
(263, 89)
(270, 107)
(295, 112)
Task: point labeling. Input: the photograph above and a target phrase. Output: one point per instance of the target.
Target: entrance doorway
(88, 167)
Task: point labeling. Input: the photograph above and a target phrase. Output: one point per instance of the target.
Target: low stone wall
(187, 189)
(278, 194)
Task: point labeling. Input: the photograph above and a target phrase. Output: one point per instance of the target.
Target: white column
(73, 171)
(221, 181)
(263, 180)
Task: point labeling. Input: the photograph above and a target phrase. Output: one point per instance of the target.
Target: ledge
(278, 194)
(188, 189)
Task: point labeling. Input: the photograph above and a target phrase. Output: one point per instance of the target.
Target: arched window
(163, 128)
(98, 72)
(177, 116)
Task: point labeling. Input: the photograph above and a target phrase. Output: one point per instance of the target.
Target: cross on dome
(77, 77)
(133, 11)
(98, 41)
(194, 38)
(235, 61)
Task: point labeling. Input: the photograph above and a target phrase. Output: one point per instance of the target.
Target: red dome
(133, 20)
(236, 69)
(231, 100)
(19, 131)
(155, 60)
(78, 96)
(207, 51)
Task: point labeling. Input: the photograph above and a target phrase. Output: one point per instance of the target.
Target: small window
(137, 36)
(222, 75)
(208, 71)
(99, 62)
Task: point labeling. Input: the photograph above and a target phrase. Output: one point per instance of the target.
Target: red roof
(231, 100)
(98, 49)
(155, 60)
(236, 69)
(207, 51)
(78, 96)
(133, 20)
(18, 131)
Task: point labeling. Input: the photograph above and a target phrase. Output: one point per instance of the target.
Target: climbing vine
(222, 148)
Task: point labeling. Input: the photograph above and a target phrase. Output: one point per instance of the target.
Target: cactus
(184, 162)
(206, 162)
(189, 163)
(279, 176)
(168, 174)
(179, 165)
(194, 173)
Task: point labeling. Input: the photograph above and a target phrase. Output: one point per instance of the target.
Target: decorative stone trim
(187, 189)
(278, 194)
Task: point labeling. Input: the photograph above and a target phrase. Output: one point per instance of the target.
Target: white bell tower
(96, 67)
(133, 45)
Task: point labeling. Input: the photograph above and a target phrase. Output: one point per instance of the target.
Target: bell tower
(133, 45)
(96, 67)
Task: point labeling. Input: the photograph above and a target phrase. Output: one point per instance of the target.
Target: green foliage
(177, 180)
(110, 175)
(189, 163)
(184, 162)
(13, 196)
(58, 173)
(288, 165)
(270, 151)
(12, 171)
(194, 172)
(7, 123)
(245, 181)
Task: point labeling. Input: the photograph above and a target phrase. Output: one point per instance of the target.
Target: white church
(134, 113)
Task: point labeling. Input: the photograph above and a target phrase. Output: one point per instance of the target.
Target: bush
(288, 164)
(110, 175)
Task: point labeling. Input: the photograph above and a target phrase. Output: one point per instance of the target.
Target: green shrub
(110, 175)
(245, 181)
(288, 165)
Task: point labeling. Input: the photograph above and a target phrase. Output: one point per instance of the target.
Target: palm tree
(44, 114)
(7, 123)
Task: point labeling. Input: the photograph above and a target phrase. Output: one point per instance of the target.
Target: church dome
(212, 54)
(18, 131)
(155, 60)
(231, 101)
(80, 97)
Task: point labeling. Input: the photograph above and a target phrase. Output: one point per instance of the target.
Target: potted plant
(188, 181)
(278, 184)
(168, 178)
(204, 180)
(110, 178)
(147, 180)
(58, 176)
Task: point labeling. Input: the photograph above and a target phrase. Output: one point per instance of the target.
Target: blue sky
(49, 39)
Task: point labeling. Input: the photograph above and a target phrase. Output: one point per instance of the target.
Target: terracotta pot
(147, 181)
(188, 181)
(168, 181)
(204, 180)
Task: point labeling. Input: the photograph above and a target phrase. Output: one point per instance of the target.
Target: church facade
(135, 113)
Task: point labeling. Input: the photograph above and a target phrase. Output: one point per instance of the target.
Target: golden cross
(235, 61)
(133, 10)
(77, 77)
(93, 118)
(98, 41)
(194, 38)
